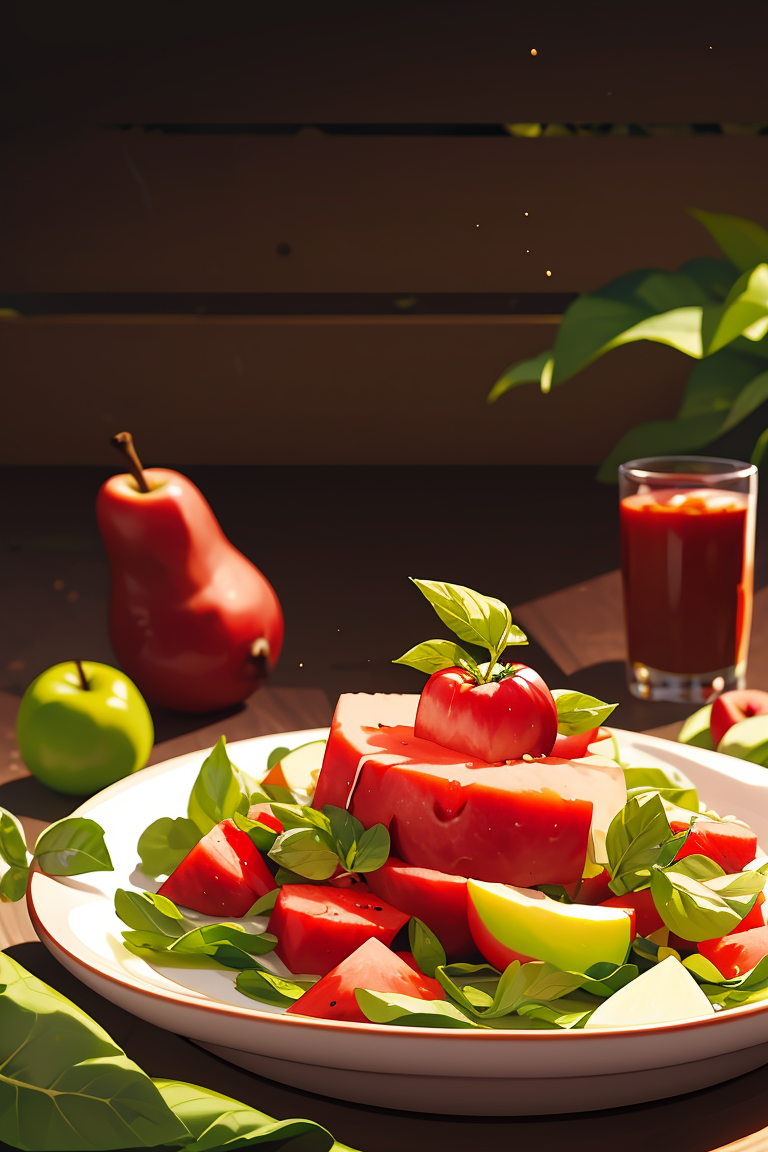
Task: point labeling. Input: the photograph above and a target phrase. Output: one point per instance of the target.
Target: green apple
(522, 924)
(82, 726)
(748, 740)
(695, 730)
(664, 993)
(298, 770)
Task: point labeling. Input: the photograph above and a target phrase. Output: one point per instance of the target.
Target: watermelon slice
(317, 926)
(436, 898)
(371, 966)
(738, 953)
(732, 846)
(223, 875)
(642, 907)
(520, 823)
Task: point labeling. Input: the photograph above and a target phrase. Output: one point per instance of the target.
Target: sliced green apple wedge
(665, 993)
(522, 924)
(298, 770)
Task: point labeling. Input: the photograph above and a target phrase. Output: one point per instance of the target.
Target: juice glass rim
(645, 469)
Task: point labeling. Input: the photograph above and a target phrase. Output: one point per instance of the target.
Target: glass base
(683, 687)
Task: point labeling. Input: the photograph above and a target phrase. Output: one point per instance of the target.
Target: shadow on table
(706, 1120)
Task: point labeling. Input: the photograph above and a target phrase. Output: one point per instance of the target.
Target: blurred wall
(307, 236)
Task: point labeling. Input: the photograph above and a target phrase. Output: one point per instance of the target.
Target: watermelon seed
(333, 1004)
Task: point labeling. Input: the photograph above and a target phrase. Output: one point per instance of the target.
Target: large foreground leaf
(743, 242)
(64, 1083)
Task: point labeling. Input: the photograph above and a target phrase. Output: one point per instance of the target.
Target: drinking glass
(687, 560)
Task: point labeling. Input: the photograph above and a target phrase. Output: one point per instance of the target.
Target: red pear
(192, 621)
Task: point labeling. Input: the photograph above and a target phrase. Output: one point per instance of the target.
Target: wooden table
(334, 584)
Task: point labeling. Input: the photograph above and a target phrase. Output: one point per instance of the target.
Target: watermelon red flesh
(591, 890)
(436, 898)
(371, 966)
(223, 875)
(263, 813)
(732, 846)
(738, 953)
(574, 747)
(317, 926)
(647, 918)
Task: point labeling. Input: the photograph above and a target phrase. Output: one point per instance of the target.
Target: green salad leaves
(315, 844)
(70, 847)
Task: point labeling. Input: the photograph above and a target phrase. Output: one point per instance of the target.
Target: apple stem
(124, 443)
(83, 682)
(258, 659)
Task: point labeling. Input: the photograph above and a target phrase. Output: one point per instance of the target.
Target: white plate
(426, 1070)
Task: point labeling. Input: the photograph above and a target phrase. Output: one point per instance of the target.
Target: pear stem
(124, 443)
(83, 682)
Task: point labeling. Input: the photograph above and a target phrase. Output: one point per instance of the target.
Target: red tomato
(738, 953)
(317, 926)
(731, 707)
(503, 720)
(732, 846)
(592, 890)
(223, 875)
(574, 747)
(641, 906)
(372, 966)
(436, 898)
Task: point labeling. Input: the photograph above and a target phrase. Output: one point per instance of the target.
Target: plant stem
(83, 682)
(124, 444)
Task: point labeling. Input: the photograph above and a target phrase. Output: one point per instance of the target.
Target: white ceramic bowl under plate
(426, 1070)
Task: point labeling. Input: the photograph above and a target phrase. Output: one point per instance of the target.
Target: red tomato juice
(687, 574)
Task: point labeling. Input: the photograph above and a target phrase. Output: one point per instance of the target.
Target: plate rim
(183, 1000)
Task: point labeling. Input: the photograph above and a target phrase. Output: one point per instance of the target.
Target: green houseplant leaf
(744, 312)
(743, 242)
(218, 1122)
(64, 1083)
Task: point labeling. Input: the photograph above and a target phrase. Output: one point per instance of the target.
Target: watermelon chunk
(223, 875)
(732, 846)
(641, 905)
(371, 966)
(520, 823)
(436, 898)
(317, 926)
(738, 953)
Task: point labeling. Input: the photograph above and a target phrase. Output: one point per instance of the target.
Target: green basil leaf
(346, 832)
(427, 950)
(634, 840)
(372, 849)
(165, 843)
(577, 712)
(566, 1013)
(673, 785)
(13, 885)
(13, 844)
(218, 1122)
(207, 940)
(475, 618)
(141, 939)
(296, 816)
(455, 980)
(307, 851)
(697, 909)
(71, 847)
(219, 790)
(264, 904)
(434, 655)
(150, 912)
(411, 1011)
(279, 794)
(275, 757)
(604, 979)
(64, 1083)
(270, 989)
(260, 835)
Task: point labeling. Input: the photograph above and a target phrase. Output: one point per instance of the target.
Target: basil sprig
(577, 712)
(258, 984)
(220, 790)
(155, 923)
(639, 837)
(315, 843)
(729, 993)
(475, 619)
(70, 847)
(426, 949)
(66, 1084)
(697, 900)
